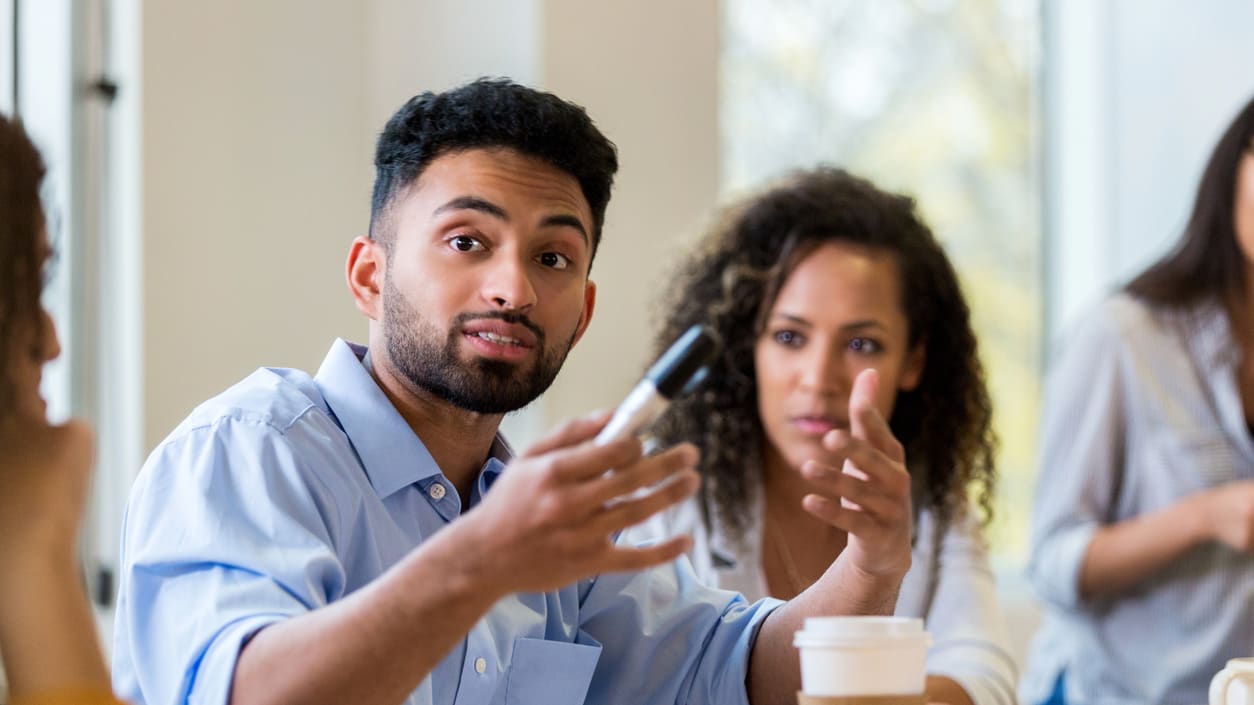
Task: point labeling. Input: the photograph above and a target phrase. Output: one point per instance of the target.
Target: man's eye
(466, 243)
(555, 260)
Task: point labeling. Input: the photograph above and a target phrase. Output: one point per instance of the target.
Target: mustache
(461, 319)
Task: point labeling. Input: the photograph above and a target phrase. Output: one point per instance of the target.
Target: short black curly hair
(730, 284)
(488, 113)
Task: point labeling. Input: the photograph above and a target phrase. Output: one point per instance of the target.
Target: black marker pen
(666, 380)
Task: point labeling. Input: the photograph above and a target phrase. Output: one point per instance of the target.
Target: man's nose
(508, 285)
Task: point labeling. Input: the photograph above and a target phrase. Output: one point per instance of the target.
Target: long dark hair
(944, 423)
(21, 251)
(1207, 262)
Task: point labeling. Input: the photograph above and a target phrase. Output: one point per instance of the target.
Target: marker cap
(683, 360)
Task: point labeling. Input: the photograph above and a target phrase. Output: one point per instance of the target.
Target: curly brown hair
(730, 284)
(21, 250)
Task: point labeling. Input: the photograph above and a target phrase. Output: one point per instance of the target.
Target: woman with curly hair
(1143, 524)
(825, 288)
(47, 634)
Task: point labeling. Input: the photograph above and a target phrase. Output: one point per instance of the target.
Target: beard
(430, 360)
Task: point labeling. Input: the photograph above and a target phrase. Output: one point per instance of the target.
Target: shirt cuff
(746, 620)
(213, 673)
(1056, 564)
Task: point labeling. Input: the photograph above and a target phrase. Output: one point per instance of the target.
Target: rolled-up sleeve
(225, 533)
(670, 639)
(1081, 455)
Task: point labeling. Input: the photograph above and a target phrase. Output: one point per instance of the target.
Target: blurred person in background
(47, 633)
(847, 332)
(1143, 530)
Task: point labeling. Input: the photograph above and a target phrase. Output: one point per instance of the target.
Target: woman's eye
(466, 243)
(555, 260)
(864, 345)
(788, 337)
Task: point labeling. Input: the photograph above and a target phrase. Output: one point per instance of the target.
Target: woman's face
(838, 313)
(1243, 206)
(34, 344)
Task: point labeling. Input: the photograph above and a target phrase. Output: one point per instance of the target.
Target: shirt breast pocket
(550, 672)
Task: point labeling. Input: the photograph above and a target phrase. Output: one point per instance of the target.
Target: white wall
(648, 74)
(1137, 94)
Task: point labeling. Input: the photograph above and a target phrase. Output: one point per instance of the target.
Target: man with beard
(365, 536)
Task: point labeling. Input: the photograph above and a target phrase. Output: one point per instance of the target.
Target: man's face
(486, 289)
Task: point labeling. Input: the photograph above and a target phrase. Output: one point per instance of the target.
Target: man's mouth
(499, 339)
(499, 345)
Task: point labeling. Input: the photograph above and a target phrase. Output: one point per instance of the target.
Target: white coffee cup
(859, 656)
(1235, 684)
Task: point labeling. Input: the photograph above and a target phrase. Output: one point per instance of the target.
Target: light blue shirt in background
(289, 492)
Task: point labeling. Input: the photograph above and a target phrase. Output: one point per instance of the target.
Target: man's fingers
(588, 461)
(633, 510)
(570, 433)
(644, 473)
(621, 560)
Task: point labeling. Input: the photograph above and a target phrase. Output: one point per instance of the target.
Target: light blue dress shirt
(288, 492)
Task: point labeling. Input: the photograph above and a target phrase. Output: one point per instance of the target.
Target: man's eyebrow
(480, 205)
(472, 203)
(567, 221)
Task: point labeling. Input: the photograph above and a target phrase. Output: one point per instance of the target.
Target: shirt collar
(391, 453)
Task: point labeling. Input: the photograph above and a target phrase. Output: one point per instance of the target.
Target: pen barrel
(638, 410)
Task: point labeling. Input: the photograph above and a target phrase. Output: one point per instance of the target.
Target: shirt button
(481, 665)
(436, 491)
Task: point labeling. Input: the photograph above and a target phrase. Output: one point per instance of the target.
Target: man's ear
(366, 268)
(589, 304)
(912, 369)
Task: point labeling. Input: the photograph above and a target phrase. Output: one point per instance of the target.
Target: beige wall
(647, 72)
(258, 123)
(256, 175)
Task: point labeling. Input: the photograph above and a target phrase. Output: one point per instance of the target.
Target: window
(46, 82)
(935, 98)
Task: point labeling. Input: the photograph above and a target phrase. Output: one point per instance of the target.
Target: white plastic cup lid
(852, 630)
